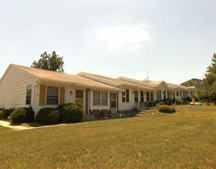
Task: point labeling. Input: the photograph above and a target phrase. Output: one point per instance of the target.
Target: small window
(177, 93)
(104, 98)
(147, 96)
(152, 96)
(79, 94)
(125, 96)
(96, 98)
(52, 95)
(136, 96)
(28, 95)
(142, 97)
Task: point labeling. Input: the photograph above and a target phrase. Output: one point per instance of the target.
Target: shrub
(156, 103)
(61, 106)
(18, 116)
(173, 101)
(167, 101)
(71, 113)
(167, 109)
(1, 114)
(178, 101)
(161, 103)
(48, 115)
(22, 115)
(135, 109)
(189, 99)
(2, 108)
(29, 114)
(7, 113)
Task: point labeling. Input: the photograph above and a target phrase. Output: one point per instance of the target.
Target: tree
(190, 83)
(208, 93)
(47, 62)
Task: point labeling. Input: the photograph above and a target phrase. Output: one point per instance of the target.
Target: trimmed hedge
(48, 116)
(167, 109)
(61, 106)
(178, 101)
(165, 101)
(22, 115)
(71, 113)
(6, 113)
(161, 103)
(29, 114)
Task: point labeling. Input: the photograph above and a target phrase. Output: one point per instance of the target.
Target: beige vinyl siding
(13, 88)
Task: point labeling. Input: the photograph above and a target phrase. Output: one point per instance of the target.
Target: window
(136, 96)
(28, 95)
(100, 98)
(168, 94)
(164, 94)
(152, 96)
(142, 97)
(147, 96)
(113, 100)
(96, 98)
(79, 94)
(52, 95)
(104, 98)
(125, 96)
(177, 93)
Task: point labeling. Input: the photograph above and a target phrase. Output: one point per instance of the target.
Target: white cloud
(125, 37)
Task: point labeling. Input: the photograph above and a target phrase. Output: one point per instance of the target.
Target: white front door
(113, 100)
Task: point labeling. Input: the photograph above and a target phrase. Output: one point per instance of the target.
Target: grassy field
(186, 139)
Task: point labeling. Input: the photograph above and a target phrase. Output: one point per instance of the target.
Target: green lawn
(186, 139)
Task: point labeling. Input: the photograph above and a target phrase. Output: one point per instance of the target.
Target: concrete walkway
(13, 126)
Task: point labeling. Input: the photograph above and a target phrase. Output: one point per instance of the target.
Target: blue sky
(173, 39)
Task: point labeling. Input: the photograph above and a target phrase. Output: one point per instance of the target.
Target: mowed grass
(186, 139)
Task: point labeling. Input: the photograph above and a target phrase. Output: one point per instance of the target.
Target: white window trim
(150, 98)
(100, 104)
(29, 86)
(58, 95)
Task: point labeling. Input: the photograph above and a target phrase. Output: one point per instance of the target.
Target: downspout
(34, 94)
